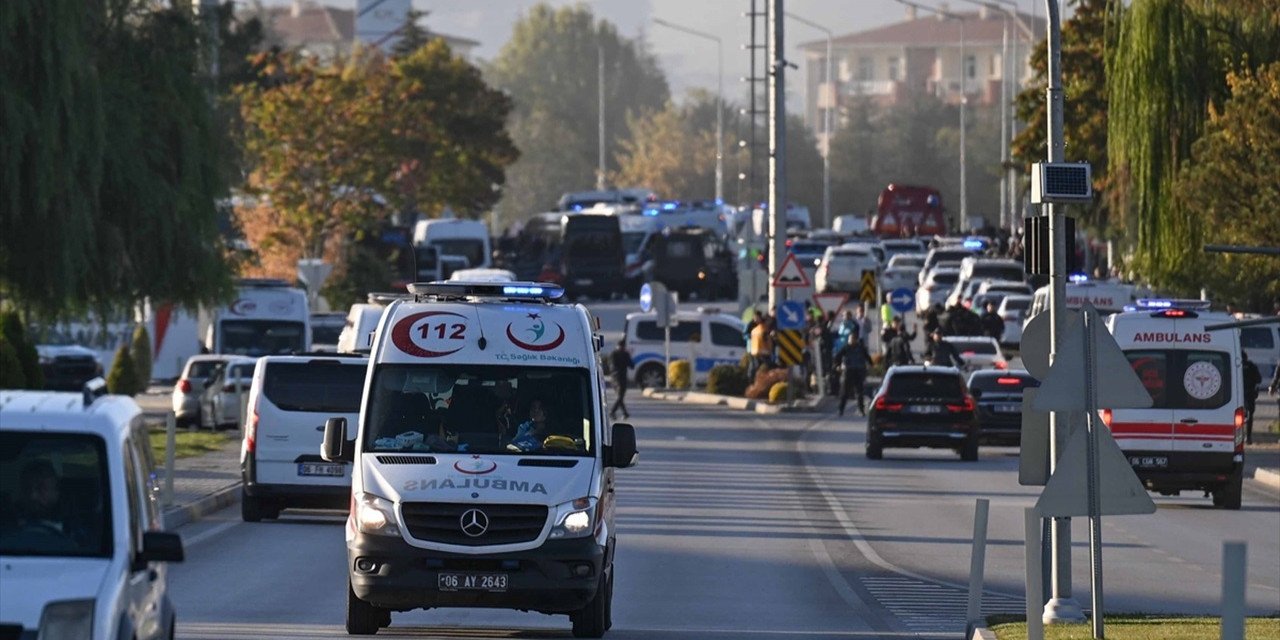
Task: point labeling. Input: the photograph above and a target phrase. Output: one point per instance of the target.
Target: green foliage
(549, 68)
(727, 379)
(1233, 184)
(678, 375)
(10, 368)
(123, 377)
(778, 392)
(24, 351)
(412, 35)
(140, 352)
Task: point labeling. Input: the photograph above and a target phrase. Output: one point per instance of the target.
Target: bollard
(1034, 584)
(239, 404)
(977, 561)
(170, 446)
(1233, 580)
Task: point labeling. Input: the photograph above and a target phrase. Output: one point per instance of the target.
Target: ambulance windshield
(480, 409)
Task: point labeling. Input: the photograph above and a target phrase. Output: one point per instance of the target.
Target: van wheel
(969, 452)
(1229, 494)
(362, 618)
(652, 375)
(250, 507)
(593, 620)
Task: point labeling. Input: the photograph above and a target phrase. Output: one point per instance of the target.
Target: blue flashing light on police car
(974, 243)
(650, 212)
(670, 206)
(1171, 303)
(1078, 278)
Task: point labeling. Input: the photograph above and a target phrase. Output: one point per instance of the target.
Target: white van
(362, 322)
(289, 400)
(483, 463)
(267, 317)
(1106, 297)
(468, 239)
(1262, 343)
(82, 554)
(1192, 438)
(705, 337)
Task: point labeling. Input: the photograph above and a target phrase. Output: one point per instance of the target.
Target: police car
(81, 551)
(1192, 437)
(482, 462)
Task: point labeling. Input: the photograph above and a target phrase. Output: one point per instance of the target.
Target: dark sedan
(999, 398)
(923, 406)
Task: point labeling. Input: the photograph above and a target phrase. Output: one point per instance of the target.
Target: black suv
(923, 406)
(999, 398)
(694, 260)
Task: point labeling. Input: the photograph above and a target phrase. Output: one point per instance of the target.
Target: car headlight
(68, 619)
(375, 515)
(576, 519)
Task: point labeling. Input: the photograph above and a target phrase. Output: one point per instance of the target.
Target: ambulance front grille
(443, 522)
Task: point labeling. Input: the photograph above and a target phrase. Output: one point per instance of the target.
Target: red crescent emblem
(536, 347)
(400, 335)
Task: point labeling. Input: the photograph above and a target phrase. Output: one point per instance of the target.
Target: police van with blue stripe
(705, 337)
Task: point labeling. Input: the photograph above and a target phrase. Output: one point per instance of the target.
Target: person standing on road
(1252, 380)
(864, 323)
(620, 364)
(992, 323)
(942, 353)
(854, 360)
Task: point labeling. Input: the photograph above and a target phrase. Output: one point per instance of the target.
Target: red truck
(907, 211)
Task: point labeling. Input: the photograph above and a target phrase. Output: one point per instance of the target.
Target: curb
(734, 402)
(1267, 477)
(982, 633)
(179, 515)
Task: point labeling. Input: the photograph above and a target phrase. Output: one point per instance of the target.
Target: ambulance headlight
(576, 519)
(375, 515)
(68, 619)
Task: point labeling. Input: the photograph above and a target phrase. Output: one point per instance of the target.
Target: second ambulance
(1192, 437)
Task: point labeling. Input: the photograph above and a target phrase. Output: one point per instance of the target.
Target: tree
(140, 351)
(1232, 183)
(10, 368)
(549, 68)
(13, 333)
(412, 35)
(123, 377)
(668, 152)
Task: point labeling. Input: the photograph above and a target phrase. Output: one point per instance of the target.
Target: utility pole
(600, 171)
(777, 145)
(828, 123)
(1006, 219)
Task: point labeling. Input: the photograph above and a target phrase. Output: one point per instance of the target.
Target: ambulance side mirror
(335, 447)
(622, 453)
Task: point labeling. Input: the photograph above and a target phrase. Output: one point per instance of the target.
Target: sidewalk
(203, 484)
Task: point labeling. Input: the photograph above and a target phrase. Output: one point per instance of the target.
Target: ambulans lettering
(1172, 337)
(497, 484)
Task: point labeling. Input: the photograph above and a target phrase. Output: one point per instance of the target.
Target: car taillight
(1008, 381)
(968, 405)
(1106, 417)
(251, 432)
(1240, 417)
(1000, 364)
(884, 405)
(184, 385)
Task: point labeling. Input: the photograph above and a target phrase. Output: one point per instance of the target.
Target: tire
(362, 618)
(969, 452)
(251, 508)
(651, 375)
(592, 620)
(1229, 495)
(875, 448)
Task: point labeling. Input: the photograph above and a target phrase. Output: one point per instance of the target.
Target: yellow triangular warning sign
(790, 274)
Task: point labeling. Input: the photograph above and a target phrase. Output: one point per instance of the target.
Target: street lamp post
(827, 120)
(719, 99)
(964, 99)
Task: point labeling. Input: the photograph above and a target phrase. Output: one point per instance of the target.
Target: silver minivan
(289, 400)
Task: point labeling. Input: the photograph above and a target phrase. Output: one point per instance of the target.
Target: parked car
(923, 406)
(223, 391)
(945, 255)
(915, 261)
(840, 269)
(899, 246)
(289, 401)
(979, 352)
(998, 395)
(66, 367)
(1012, 309)
(898, 278)
(190, 387)
(935, 287)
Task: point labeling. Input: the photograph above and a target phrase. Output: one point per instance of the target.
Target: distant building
(327, 32)
(920, 55)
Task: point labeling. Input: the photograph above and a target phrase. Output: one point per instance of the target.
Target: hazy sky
(687, 60)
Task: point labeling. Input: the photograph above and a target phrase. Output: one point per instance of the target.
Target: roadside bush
(123, 377)
(778, 392)
(765, 379)
(678, 375)
(10, 367)
(727, 379)
(28, 360)
(140, 350)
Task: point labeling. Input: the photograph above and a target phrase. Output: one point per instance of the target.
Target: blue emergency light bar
(506, 290)
(1171, 303)
(974, 243)
(1078, 278)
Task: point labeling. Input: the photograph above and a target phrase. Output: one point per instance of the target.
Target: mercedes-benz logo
(474, 522)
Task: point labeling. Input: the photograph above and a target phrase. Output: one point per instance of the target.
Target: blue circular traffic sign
(902, 299)
(646, 297)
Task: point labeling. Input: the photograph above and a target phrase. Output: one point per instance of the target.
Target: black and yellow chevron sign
(791, 346)
(868, 292)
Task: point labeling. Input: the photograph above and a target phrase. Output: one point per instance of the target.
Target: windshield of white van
(1178, 379)
(262, 337)
(469, 248)
(480, 409)
(54, 495)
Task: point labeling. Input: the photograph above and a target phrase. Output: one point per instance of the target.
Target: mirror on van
(159, 546)
(622, 453)
(333, 448)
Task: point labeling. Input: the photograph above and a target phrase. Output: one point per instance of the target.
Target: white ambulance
(483, 461)
(1192, 438)
(268, 317)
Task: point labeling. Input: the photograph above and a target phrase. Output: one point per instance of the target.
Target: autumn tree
(672, 150)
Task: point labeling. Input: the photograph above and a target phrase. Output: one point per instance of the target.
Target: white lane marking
(228, 630)
(191, 541)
